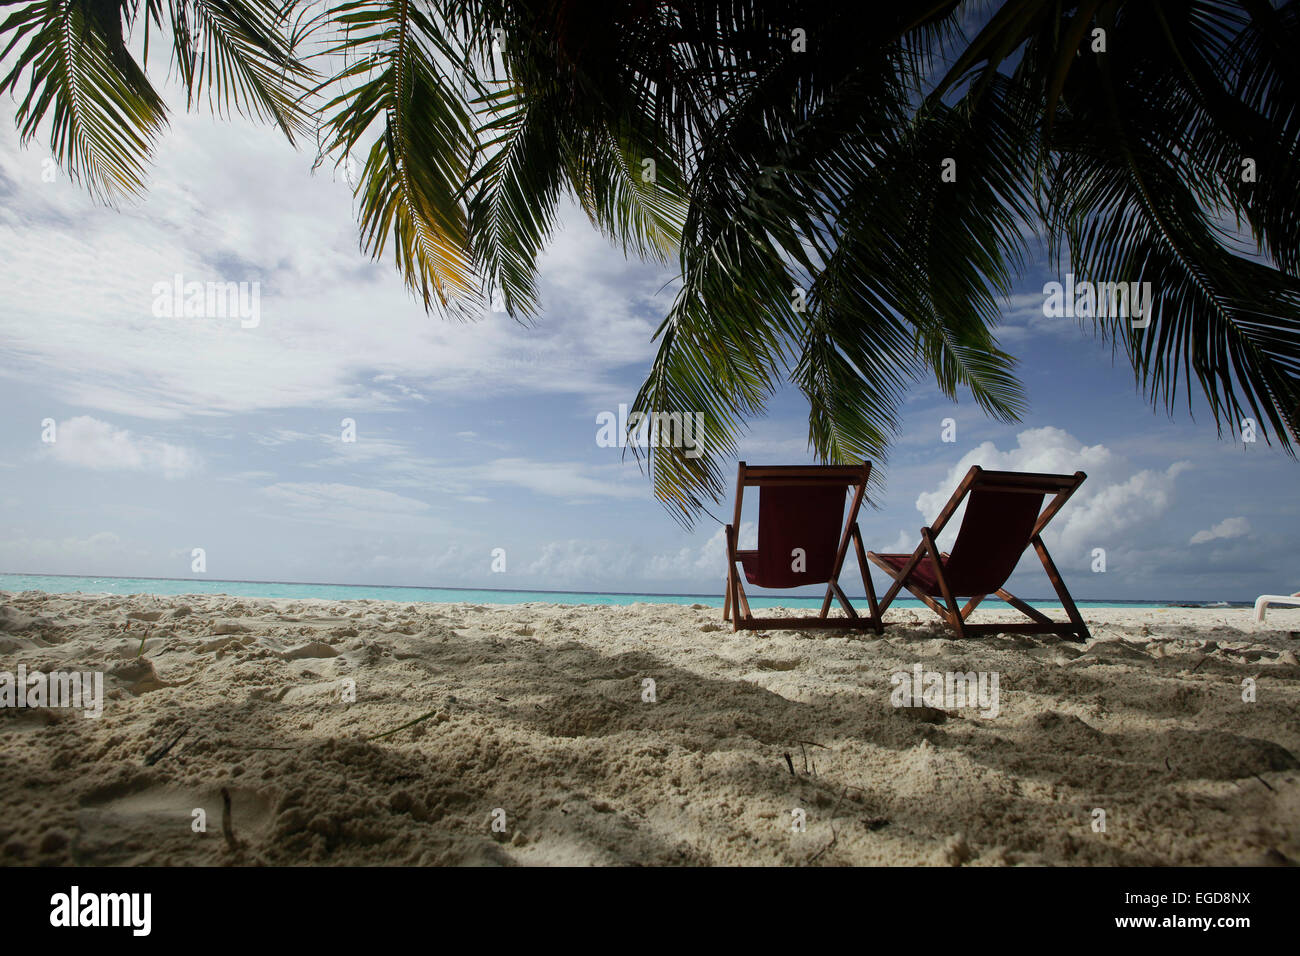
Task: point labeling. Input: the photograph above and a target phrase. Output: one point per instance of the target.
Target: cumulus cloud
(1227, 528)
(706, 561)
(905, 543)
(583, 564)
(90, 443)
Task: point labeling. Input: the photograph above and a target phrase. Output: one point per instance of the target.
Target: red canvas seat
(803, 538)
(1004, 517)
(789, 518)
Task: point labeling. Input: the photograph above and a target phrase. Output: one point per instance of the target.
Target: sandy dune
(537, 711)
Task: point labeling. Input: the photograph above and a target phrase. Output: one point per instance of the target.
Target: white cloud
(90, 443)
(588, 564)
(336, 331)
(397, 465)
(1227, 528)
(100, 553)
(905, 543)
(280, 436)
(336, 505)
(330, 498)
(705, 561)
(559, 479)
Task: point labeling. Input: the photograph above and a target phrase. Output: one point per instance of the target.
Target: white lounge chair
(1264, 600)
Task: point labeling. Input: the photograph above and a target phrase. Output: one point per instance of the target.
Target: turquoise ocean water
(67, 584)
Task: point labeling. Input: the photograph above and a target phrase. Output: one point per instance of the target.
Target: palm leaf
(104, 115)
(396, 91)
(235, 53)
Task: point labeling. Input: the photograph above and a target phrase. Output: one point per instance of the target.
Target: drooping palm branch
(1143, 149)
(103, 113)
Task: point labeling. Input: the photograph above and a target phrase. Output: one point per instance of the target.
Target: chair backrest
(1004, 511)
(800, 507)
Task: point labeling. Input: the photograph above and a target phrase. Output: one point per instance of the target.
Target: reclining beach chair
(1002, 519)
(1264, 600)
(803, 537)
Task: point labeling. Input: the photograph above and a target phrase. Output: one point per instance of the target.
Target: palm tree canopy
(849, 193)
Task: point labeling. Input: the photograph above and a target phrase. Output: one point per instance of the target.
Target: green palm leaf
(238, 56)
(104, 115)
(397, 92)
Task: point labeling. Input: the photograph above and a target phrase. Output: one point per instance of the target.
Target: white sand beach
(539, 711)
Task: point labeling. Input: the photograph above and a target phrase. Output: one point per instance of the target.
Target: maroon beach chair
(1004, 516)
(803, 537)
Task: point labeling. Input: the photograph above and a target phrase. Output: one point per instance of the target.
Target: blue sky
(177, 433)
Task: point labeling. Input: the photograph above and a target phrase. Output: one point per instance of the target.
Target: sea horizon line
(435, 587)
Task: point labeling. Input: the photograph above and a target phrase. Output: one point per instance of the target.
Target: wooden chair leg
(897, 576)
(971, 605)
(1058, 583)
(843, 599)
(876, 623)
(726, 599)
(737, 609)
(735, 593)
(955, 620)
(892, 591)
(953, 616)
(1027, 609)
(741, 602)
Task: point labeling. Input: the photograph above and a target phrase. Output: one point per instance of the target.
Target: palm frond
(397, 90)
(640, 207)
(513, 195)
(104, 115)
(236, 54)
(1131, 206)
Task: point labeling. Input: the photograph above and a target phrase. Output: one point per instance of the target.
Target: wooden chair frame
(1061, 487)
(735, 604)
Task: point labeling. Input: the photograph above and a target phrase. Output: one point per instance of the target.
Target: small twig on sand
(1263, 781)
(161, 752)
(834, 836)
(226, 829)
(790, 763)
(1200, 662)
(409, 723)
(386, 733)
(810, 743)
(834, 833)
